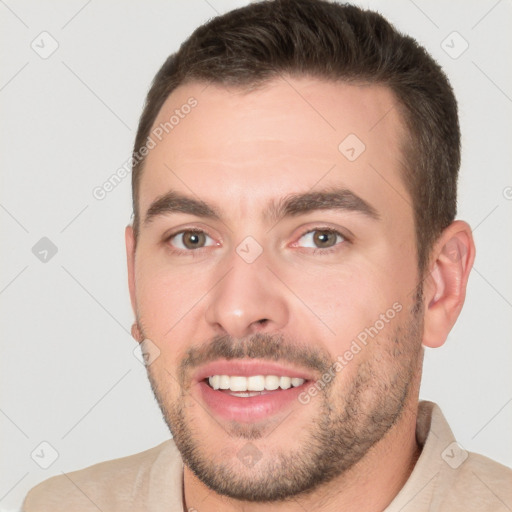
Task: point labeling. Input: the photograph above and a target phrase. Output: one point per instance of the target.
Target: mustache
(269, 347)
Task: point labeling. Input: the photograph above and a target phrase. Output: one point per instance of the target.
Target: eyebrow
(328, 199)
(291, 205)
(175, 202)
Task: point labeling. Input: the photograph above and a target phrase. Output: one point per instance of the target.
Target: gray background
(68, 373)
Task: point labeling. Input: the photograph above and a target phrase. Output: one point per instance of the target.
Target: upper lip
(248, 367)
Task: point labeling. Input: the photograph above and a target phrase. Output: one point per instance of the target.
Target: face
(275, 275)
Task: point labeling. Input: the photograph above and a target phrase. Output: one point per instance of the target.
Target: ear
(129, 238)
(445, 285)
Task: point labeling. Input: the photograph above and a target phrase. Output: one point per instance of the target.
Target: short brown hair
(254, 44)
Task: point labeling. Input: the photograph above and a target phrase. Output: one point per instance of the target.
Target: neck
(369, 486)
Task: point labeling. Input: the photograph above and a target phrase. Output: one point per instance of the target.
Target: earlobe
(445, 285)
(136, 334)
(130, 260)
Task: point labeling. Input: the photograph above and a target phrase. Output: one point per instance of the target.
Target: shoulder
(447, 478)
(120, 484)
(469, 481)
(482, 483)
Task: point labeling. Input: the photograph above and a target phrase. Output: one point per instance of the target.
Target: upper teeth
(253, 383)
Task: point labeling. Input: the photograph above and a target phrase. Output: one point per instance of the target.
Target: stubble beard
(349, 419)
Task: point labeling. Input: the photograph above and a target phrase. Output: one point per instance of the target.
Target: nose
(247, 299)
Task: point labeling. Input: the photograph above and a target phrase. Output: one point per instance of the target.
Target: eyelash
(318, 250)
(328, 250)
(191, 252)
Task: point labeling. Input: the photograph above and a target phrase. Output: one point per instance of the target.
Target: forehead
(290, 135)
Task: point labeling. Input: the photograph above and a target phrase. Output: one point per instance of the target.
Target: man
(292, 251)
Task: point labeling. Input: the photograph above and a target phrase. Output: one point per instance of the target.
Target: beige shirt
(446, 478)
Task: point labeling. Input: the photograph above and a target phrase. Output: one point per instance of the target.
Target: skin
(237, 150)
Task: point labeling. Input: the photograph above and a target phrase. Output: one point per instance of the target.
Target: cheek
(345, 299)
(164, 381)
(166, 295)
(354, 303)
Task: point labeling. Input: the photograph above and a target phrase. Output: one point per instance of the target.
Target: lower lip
(249, 409)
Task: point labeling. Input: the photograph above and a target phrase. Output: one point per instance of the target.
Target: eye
(190, 240)
(321, 239)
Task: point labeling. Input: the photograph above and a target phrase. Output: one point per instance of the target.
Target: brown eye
(190, 240)
(321, 239)
(324, 238)
(193, 240)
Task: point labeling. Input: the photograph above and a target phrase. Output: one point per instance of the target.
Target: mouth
(249, 391)
(254, 385)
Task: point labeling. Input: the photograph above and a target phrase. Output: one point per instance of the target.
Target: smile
(251, 386)
(247, 390)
